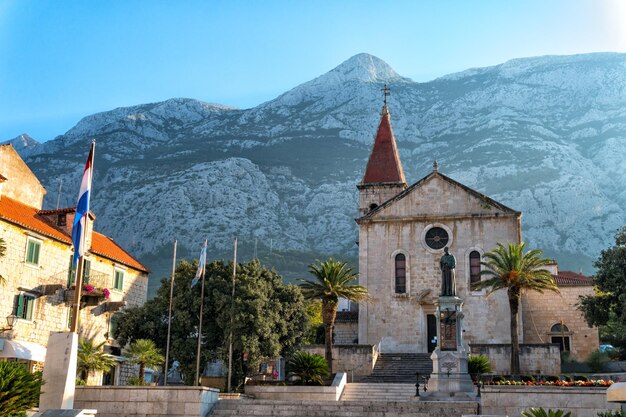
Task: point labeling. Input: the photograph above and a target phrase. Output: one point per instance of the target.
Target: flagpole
(78, 279)
(200, 325)
(232, 313)
(169, 316)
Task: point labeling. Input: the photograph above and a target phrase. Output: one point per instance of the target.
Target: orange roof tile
(26, 216)
(29, 218)
(105, 246)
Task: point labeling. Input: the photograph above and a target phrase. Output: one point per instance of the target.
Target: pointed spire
(435, 166)
(384, 164)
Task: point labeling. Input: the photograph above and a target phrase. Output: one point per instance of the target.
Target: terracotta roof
(105, 246)
(384, 164)
(572, 279)
(30, 218)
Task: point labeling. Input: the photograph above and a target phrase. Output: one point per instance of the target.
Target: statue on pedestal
(447, 263)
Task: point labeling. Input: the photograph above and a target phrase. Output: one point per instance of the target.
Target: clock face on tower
(436, 238)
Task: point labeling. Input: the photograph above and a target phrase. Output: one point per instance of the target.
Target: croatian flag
(82, 209)
(201, 265)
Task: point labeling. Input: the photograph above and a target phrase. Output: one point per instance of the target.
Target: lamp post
(11, 318)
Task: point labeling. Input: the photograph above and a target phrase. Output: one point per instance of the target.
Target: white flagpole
(169, 316)
(200, 325)
(232, 313)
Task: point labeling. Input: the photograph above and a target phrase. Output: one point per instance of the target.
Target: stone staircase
(379, 392)
(272, 408)
(400, 368)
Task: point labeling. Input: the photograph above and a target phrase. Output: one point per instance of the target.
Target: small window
(118, 282)
(400, 273)
(62, 219)
(33, 247)
(474, 261)
(72, 272)
(24, 306)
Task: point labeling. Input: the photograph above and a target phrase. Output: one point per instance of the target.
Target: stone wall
(147, 401)
(356, 360)
(542, 359)
(297, 393)
(511, 401)
(346, 332)
(542, 311)
(21, 183)
(399, 321)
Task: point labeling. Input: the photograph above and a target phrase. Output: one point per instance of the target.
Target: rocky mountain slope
(542, 135)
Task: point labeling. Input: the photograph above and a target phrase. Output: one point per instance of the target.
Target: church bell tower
(384, 177)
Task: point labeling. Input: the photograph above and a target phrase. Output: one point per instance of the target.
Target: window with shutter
(118, 282)
(24, 306)
(33, 247)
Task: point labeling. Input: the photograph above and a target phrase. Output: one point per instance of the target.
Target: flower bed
(591, 383)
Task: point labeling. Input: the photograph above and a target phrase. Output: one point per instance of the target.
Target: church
(403, 230)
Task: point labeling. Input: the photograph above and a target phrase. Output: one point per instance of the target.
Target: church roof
(384, 164)
(23, 215)
(436, 173)
(572, 279)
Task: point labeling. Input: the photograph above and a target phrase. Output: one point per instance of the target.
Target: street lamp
(11, 318)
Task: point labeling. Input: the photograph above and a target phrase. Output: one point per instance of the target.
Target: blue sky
(61, 60)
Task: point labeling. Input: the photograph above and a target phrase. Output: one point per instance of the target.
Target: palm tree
(511, 269)
(333, 280)
(91, 358)
(310, 368)
(144, 353)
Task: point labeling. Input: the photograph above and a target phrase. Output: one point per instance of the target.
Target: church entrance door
(431, 331)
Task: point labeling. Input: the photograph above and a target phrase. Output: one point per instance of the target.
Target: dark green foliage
(144, 353)
(612, 413)
(498, 378)
(580, 378)
(552, 378)
(540, 412)
(607, 308)
(19, 389)
(478, 365)
(527, 378)
(91, 357)
(269, 317)
(135, 381)
(311, 369)
(597, 361)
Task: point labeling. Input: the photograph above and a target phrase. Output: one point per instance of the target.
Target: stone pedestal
(59, 372)
(450, 357)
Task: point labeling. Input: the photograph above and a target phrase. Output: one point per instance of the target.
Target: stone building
(402, 234)
(38, 278)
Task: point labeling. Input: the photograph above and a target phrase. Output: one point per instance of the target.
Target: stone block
(138, 395)
(157, 395)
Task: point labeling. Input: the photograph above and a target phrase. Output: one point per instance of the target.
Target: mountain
(542, 135)
(23, 144)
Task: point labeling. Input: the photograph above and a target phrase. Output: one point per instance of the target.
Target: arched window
(560, 335)
(400, 273)
(474, 263)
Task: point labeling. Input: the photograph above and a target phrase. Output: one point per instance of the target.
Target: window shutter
(71, 273)
(86, 271)
(29, 252)
(30, 304)
(19, 309)
(36, 247)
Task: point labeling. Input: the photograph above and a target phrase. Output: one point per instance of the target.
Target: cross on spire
(385, 91)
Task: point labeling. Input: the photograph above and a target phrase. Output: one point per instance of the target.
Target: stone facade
(543, 314)
(45, 282)
(541, 359)
(399, 320)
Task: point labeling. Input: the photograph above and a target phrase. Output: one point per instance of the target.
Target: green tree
(333, 280)
(144, 352)
(607, 308)
(310, 368)
(91, 357)
(268, 317)
(509, 268)
(19, 389)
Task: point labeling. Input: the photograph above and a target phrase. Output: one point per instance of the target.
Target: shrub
(612, 413)
(135, 380)
(478, 365)
(19, 389)
(597, 361)
(540, 412)
(552, 378)
(527, 378)
(311, 369)
(580, 378)
(498, 378)
(80, 382)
